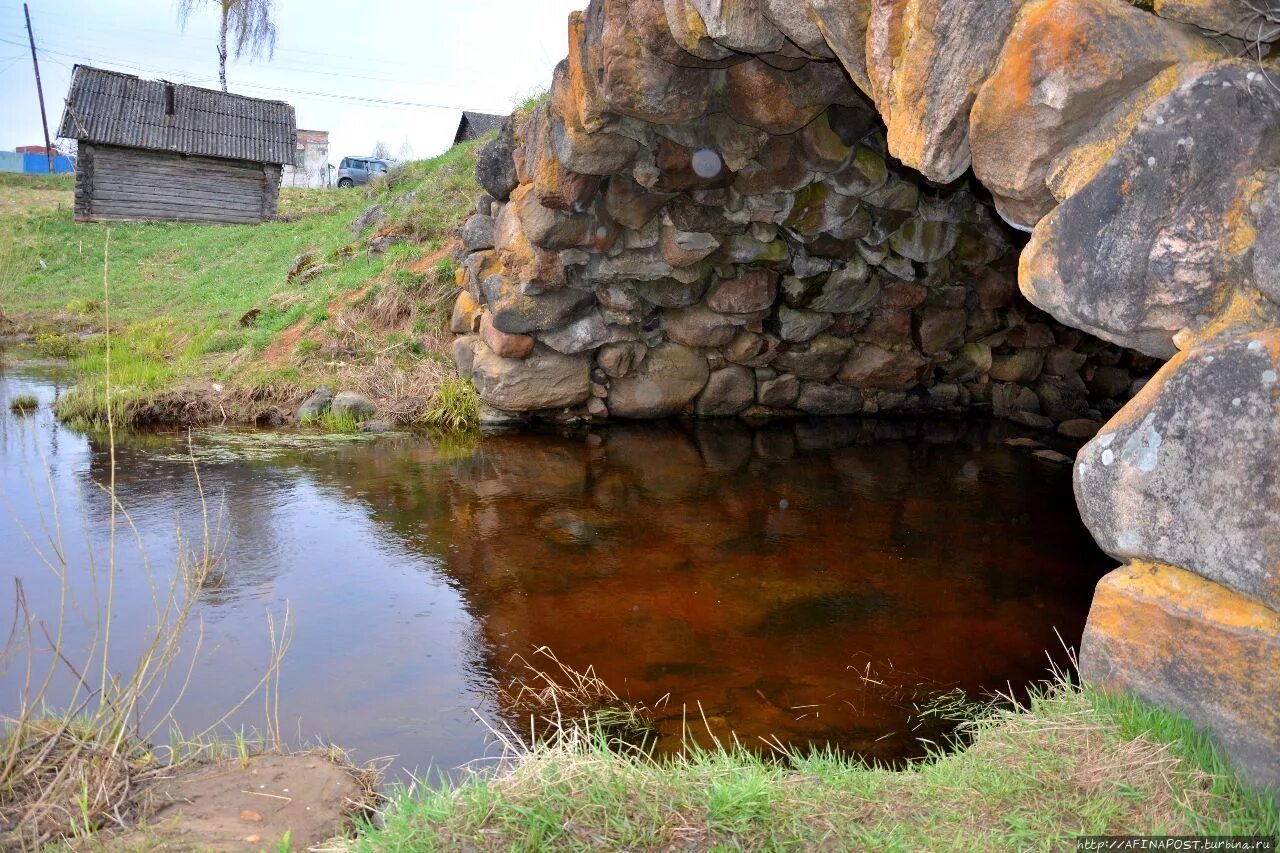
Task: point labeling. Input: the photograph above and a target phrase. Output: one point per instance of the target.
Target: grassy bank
(213, 323)
(1073, 763)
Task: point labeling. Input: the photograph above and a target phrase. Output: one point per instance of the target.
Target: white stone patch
(1129, 540)
(1142, 449)
(1159, 119)
(1105, 440)
(1269, 377)
(1255, 345)
(1052, 92)
(1235, 401)
(1151, 161)
(1208, 359)
(1082, 468)
(1108, 457)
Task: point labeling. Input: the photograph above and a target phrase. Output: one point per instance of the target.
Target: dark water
(814, 581)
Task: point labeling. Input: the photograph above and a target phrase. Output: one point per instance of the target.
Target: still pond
(818, 582)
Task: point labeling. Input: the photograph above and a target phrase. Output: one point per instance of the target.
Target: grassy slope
(178, 292)
(1075, 762)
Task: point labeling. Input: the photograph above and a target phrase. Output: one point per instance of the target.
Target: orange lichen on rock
(1077, 165)
(926, 60)
(1065, 64)
(1175, 639)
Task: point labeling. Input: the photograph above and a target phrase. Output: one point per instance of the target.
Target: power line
(261, 86)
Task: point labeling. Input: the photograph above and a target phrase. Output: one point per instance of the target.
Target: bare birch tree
(247, 24)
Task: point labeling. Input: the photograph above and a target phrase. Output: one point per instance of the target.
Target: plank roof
(475, 125)
(110, 108)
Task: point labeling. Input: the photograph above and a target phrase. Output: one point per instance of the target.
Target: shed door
(132, 184)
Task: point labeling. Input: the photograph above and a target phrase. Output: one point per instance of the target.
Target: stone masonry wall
(829, 283)
(706, 216)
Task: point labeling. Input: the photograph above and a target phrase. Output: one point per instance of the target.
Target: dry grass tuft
(551, 701)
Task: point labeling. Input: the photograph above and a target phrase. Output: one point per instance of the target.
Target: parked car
(354, 171)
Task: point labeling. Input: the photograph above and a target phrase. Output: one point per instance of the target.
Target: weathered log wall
(115, 183)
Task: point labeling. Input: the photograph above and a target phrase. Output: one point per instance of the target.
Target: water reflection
(810, 581)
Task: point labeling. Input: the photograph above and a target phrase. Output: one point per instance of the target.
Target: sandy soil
(230, 806)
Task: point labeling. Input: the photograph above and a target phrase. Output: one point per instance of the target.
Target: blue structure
(38, 164)
(11, 161)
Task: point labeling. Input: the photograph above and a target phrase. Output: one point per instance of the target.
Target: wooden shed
(475, 125)
(150, 149)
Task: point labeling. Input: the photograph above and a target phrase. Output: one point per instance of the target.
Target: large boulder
(778, 101)
(698, 326)
(820, 398)
(349, 404)
(501, 343)
(1157, 240)
(1065, 64)
(1251, 21)
(1188, 473)
(496, 165)
(728, 391)
(926, 60)
(690, 33)
(1179, 641)
(544, 380)
(819, 359)
(750, 292)
(793, 20)
(580, 151)
(740, 25)
(843, 24)
(518, 313)
(662, 385)
(587, 332)
(316, 405)
(638, 83)
(870, 366)
(649, 18)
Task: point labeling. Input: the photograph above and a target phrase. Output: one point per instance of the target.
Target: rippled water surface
(816, 581)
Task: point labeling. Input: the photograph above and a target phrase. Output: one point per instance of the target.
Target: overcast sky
(332, 60)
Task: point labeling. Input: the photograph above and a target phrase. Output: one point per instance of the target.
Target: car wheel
(346, 183)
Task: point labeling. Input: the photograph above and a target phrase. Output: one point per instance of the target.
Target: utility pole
(44, 120)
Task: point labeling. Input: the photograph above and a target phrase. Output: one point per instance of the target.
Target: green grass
(1073, 762)
(23, 404)
(183, 297)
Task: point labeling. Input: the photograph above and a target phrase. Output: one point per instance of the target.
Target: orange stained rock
(1159, 611)
(1177, 640)
(1076, 166)
(1064, 66)
(578, 75)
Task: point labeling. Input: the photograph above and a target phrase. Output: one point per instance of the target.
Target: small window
(375, 166)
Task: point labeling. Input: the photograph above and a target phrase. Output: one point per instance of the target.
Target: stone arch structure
(748, 205)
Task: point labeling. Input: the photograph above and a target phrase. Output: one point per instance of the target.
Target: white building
(312, 167)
